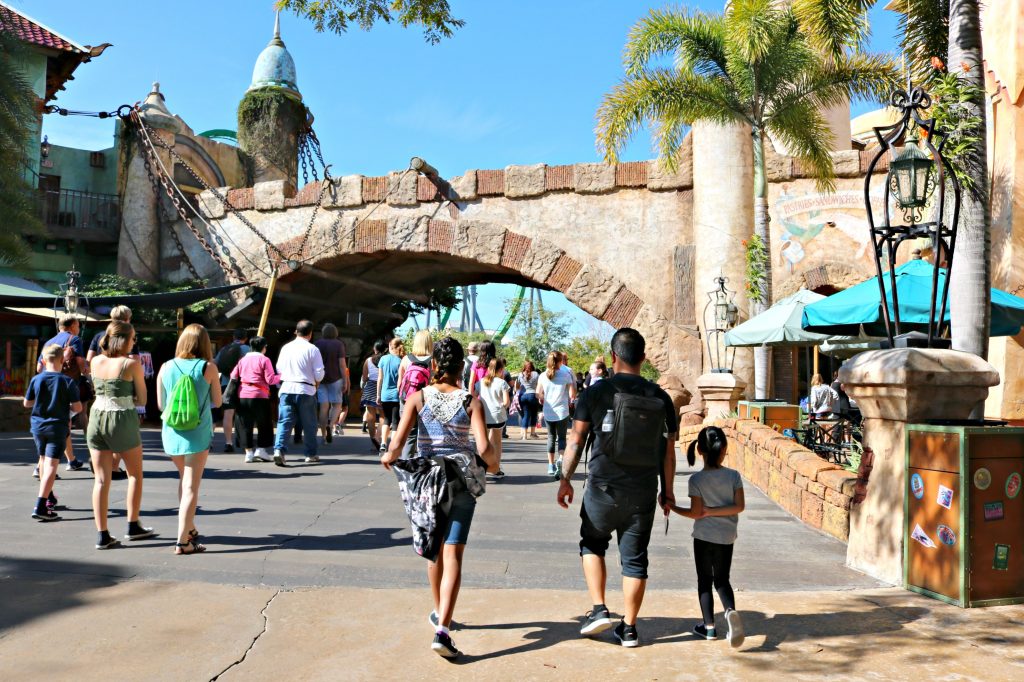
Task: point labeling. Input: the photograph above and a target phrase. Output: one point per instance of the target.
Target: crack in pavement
(266, 622)
(316, 519)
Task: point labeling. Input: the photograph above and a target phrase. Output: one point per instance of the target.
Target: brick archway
(831, 276)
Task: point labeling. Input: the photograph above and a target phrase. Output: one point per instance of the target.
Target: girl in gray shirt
(716, 501)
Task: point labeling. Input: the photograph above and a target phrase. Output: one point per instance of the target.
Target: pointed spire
(276, 40)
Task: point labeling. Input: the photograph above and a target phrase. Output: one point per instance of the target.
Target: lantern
(720, 315)
(920, 182)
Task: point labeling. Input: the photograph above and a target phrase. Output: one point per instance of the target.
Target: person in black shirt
(618, 499)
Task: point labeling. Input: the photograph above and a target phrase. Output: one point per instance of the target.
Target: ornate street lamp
(720, 315)
(71, 296)
(917, 179)
(44, 148)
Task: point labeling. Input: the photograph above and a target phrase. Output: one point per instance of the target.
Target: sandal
(193, 534)
(189, 547)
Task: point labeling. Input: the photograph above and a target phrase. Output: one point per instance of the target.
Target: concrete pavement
(310, 575)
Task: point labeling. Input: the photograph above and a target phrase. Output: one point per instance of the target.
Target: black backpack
(228, 357)
(637, 438)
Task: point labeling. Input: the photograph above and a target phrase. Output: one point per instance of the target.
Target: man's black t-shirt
(592, 406)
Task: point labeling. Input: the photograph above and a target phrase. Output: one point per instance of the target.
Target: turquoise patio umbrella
(780, 325)
(858, 310)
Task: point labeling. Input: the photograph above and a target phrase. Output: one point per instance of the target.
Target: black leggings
(713, 564)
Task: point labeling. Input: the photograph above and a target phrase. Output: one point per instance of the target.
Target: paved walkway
(310, 575)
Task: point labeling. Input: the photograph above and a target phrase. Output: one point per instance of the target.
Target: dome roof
(275, 67)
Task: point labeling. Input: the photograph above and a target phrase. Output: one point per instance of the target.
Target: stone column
(723, 216)
(894, 388)
(721, 393)
(138, 246)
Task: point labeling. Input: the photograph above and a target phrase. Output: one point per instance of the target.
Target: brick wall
(811, 489)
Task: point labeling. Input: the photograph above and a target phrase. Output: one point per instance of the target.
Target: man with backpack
(226, 360)
(635, 427)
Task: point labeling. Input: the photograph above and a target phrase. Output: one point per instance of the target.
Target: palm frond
(923, 34)
(752, 26)
(696, 41)
(834, 26)
(864, 76)
(804, 131)
(666, 98)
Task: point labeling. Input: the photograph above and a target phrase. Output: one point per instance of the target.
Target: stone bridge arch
(616, 240)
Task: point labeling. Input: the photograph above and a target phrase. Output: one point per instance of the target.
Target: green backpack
(182, 410)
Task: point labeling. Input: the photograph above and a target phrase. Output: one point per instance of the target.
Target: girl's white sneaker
(736, 636)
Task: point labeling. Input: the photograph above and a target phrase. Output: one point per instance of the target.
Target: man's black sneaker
(229, 449)
(328, 436)
(75, 465)
(626, 634)
(444, 646)
(596, 622)
(118, 475)
(46, 516)
(704, 632)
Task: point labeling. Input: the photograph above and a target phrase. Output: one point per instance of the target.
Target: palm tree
(17, 115)
(971, 275)
(753, 64)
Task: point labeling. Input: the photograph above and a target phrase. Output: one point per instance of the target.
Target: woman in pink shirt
(255, 374)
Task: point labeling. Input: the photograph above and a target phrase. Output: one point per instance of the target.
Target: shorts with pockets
(628, 514)
(50, 444)
(329, 393)
(460, 517)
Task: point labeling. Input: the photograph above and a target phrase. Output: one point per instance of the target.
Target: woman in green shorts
(114, 429)
(193, 358)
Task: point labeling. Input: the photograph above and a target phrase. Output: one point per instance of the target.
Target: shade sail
(52, 313)
(780, 325)
(172, 299)
(859, 308)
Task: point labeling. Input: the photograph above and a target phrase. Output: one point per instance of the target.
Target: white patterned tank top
(443, 423)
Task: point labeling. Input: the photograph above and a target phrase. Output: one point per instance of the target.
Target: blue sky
(518, 84)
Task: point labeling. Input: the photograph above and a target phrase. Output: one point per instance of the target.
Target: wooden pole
(180, 319)
(816, 360)
(266, 302)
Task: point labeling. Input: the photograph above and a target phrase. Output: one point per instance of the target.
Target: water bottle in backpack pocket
(633, 431)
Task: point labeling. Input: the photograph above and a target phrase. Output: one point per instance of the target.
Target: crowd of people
(436, 415)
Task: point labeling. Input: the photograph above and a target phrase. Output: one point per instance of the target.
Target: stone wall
(13, 415)
(811, 489)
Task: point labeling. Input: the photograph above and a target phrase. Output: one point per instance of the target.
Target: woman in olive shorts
(114, 429)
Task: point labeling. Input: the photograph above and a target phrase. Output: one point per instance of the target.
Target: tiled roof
(33, 33)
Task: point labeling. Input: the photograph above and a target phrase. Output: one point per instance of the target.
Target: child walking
(52, 397)
(716, 501)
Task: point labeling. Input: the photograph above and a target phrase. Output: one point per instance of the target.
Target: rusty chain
(159, 178)
(216, 193)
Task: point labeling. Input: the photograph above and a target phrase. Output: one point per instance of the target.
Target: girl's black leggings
(713, 564)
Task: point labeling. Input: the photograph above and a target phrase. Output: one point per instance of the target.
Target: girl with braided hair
(446, 415)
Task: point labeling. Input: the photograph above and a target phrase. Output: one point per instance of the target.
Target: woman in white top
(494, 396)
(527, 381)
(555, 390)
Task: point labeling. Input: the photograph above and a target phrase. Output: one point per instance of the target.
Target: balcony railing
(69, 208)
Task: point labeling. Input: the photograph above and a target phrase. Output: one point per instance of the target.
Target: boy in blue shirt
(52, 397)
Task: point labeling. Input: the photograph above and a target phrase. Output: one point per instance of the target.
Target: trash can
(964, 537)
(776, 414)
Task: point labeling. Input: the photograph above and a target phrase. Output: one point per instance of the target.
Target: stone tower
(271, 115)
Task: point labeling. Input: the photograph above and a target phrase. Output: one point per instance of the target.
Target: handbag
(229, 401)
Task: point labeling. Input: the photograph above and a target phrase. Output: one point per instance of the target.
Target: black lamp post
(720, 315)
(44, 148)
(918, 178)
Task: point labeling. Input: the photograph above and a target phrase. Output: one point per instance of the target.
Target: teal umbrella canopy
(780, 325)
(858, 310)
